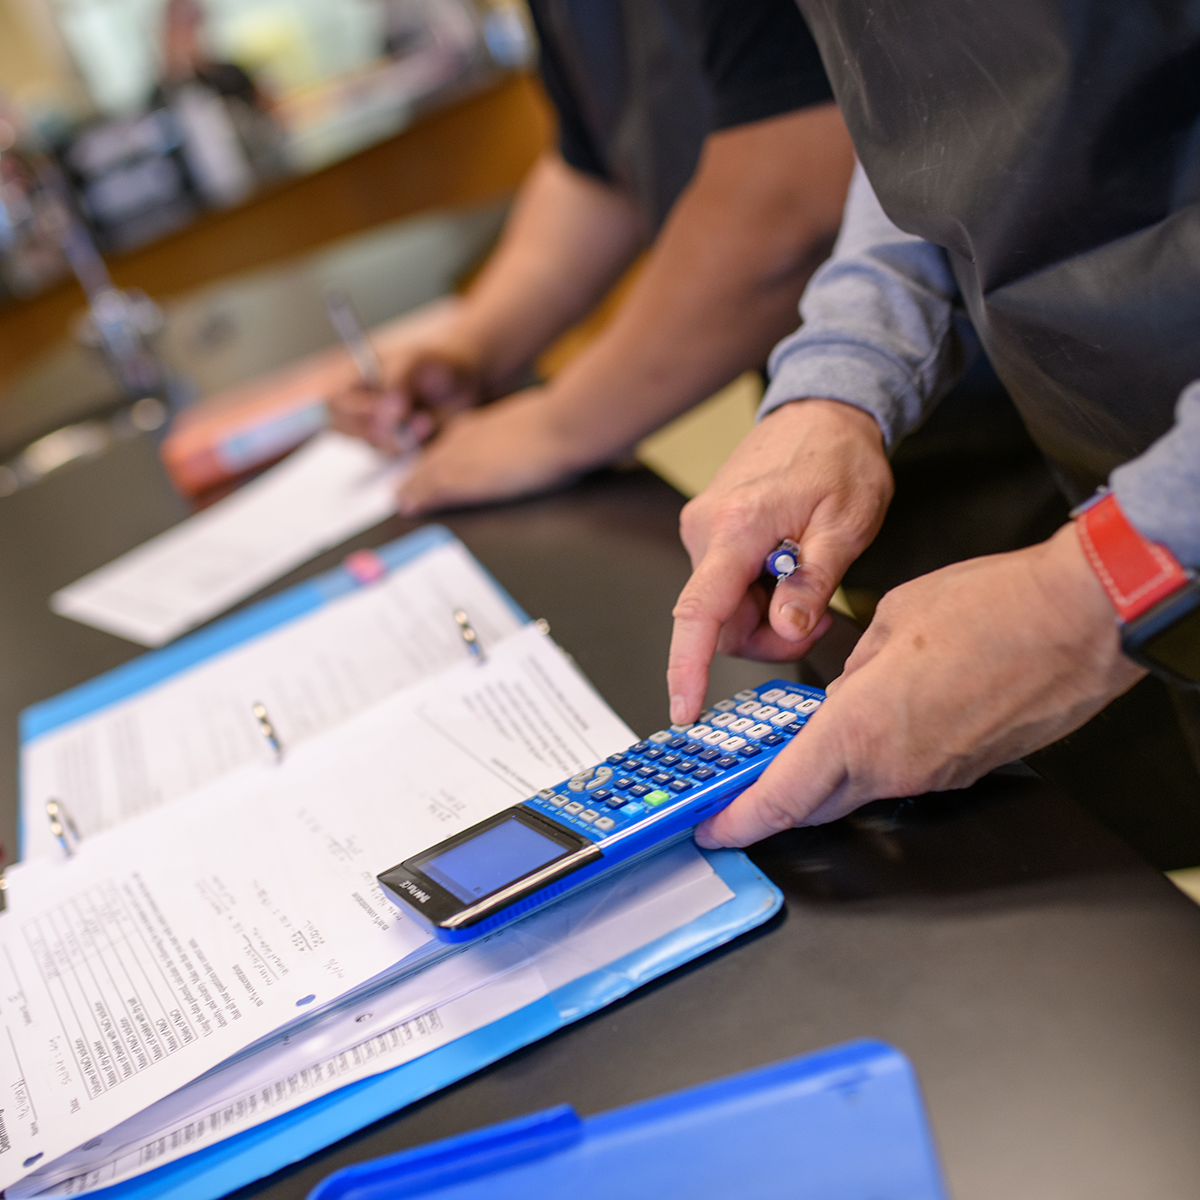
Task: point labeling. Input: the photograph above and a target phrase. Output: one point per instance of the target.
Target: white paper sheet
(176, 940)
(327, 491)
(311, 674)
(444, 1002)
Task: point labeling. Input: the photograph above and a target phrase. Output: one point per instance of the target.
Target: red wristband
(1135, 572)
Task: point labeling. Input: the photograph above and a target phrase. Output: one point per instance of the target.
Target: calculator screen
(492, 860)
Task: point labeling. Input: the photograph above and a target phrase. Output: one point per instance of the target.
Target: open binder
(267, 1147)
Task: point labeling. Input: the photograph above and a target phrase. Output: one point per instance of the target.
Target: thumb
(800, 600)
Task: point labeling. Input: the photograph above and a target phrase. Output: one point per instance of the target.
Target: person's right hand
(814, 471)
(426, 384)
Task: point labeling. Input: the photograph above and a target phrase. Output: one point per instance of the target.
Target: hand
(514, 447)
(961, 670)
(426, 385)
(814, 471)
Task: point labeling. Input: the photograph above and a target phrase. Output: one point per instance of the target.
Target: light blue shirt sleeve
(882, 328)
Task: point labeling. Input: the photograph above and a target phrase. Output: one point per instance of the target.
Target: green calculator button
(654, 799)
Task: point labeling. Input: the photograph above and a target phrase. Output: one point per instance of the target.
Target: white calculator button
(573, 808)
(700, 732)
(716, 737)
(790, 700)
(771, 696)
(766, 712)
(809, 705)
(546, 794)
(605, 823)
(722, 719)
(733, 743)
(740, 725)
(557, 801)
(603, 775)
(724, 706)
(680, 728)
(747, 708)
(782, 719)
(589, 815)
(746, 695)
(663, 735)
(759, 730)
(576, 785)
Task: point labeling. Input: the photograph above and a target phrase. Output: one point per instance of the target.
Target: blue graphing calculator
(632, 803)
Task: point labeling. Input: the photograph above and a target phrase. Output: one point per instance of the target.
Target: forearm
(566, 241)
(719, 287)
(881, 328)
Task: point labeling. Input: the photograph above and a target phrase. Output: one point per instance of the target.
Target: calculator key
(708, 754)
(678, 740)
(557, 801)
(759, 730)
(733, 743)
(638, 747)
(746, 695)
(679, 785)
(721, 720)
(747, 708)
(783, 719)
(790, 700)
(632, 810)
(704, 773)
(623, 783)
(687, 766)
(604, 824)
(670, 760)
(693, 748)
(588, 815)
(573, 808)
(808, 705)
(680, 728)
(724, 706)
(700, 732)
(615, 759)
(601, 794)
(750, 751)
(771, 696)
(766, 712)
(773, 739)
(602, 776)
(646, 772)
(617, 801)
(546, 794)
(654, 799)
(718, 735)
(639, 790)
(662, 779)
(727, 761)
(653, 754)
(663, 735)
(740, 725)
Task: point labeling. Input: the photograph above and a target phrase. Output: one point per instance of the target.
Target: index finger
(709, 599)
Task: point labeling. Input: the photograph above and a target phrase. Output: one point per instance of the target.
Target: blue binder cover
(846, 1123)
(288, 1138)
(293, 1136)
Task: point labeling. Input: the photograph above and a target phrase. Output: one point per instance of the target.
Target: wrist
(804, 410)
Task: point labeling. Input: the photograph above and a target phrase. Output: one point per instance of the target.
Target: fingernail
(678, 709)
(798, 618)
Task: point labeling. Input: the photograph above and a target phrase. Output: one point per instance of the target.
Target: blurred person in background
(702, 129)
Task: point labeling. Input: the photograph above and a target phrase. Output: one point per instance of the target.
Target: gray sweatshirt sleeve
(1159, 491)
(882, 329)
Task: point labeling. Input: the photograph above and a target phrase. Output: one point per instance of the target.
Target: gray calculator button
(719, 735)
(557, 801)
(573, 808)
(605, 823)
(589, 815)
(603, 775)
(723, 719)
(700, 732)
(724, 706)
(766, 712)
(747, 708)
(680, 728)
(546, 794)
(811, 704)
(740, 725)
(759, 730)
(733, 743)
(782, 719)
(771, 696)
(746, 695)
(663, 735)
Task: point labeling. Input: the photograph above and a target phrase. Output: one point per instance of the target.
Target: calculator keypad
(677, 763)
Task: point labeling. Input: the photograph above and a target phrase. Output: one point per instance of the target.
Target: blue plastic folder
(287, 1139)
(845, 1123)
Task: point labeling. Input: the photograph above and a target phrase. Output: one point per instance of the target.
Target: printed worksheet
(310, 675)
(327, 491)
(178, 939)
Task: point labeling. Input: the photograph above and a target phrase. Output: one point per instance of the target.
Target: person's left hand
(960, 671)
(514, 447)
